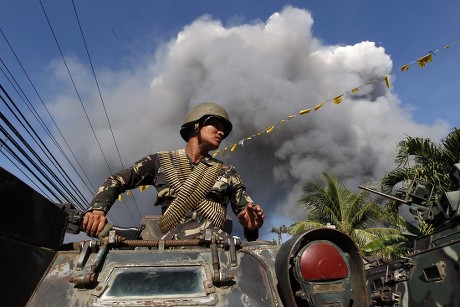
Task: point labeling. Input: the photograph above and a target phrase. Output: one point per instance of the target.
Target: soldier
(193, 187)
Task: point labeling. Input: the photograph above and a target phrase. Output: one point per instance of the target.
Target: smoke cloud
(261, 72)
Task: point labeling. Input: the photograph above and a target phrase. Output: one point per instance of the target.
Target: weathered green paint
(253, 285)
(431, 275)
(257, 271)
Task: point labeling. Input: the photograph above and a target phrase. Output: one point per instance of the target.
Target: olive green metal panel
(253, 285)
(427, 278)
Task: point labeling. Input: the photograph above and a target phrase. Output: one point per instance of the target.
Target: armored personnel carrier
(430, 275)
(134, 267)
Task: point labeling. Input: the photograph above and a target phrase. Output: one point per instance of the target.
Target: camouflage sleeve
(238, 196)
(143, 172)
(239, 199)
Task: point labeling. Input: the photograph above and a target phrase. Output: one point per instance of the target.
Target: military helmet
(200, 113)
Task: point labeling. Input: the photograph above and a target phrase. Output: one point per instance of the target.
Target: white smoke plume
(261, 72)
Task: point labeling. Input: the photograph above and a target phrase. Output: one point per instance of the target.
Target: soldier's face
(212, 133)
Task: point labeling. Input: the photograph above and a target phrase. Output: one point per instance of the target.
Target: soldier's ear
(193, 132)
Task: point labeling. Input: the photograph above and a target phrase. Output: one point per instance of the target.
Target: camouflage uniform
(228, 187)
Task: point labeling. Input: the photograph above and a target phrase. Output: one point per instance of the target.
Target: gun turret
(385, 195)
(417, 198)
(420, 199)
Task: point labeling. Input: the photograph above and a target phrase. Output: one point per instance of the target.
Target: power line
(4, 144)
(37, 157)
(32, 163)
(75, 87)
(100, 96)
(20, 169)
(40, 143)
(97, 83)
(50, 156)
(37, 116)
(78, 95)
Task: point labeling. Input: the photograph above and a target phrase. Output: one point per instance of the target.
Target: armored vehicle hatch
(321, 267)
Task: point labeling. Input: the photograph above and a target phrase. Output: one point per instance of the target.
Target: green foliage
(416, 159)
(425, 228)
(279, 230)
(390, 246)
(419, 158)
(353, 214)
(423, 160)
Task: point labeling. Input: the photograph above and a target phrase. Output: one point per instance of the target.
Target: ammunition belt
(192, 187)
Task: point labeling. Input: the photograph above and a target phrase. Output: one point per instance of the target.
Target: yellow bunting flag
(387, 81)
(405, 67)
(120, 198)
(424, 60)
(128, 193)
(320, 105)
(338, 99)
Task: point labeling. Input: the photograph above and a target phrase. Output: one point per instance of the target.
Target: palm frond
(362, 237)
(383, 242)
(302, 226)
(423, 151)
(396, 176)
(366, 215)
(382, 231)
(452, 145)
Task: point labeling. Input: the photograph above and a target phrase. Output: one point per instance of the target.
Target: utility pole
(280, 230)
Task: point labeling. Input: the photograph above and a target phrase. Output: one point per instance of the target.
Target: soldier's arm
(142, 172)
(249, 215)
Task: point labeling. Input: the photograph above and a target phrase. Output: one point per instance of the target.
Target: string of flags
(422, 62)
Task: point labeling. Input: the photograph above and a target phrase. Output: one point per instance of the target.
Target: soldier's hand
(93, 222)
(251, 217)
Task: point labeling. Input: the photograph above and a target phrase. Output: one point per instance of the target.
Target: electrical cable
(42, 146)
(102, 101)
(20, 169)
(27, 167)
(38, 158)
(75, 87)
(51, 117)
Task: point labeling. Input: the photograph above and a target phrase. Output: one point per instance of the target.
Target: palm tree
(393, 246)
(351, 213)
(424, 160)
(280, 230)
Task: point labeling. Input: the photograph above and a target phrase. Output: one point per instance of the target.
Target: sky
(262, 60)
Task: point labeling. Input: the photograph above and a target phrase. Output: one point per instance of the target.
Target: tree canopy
(423, 159)
(333, 204)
